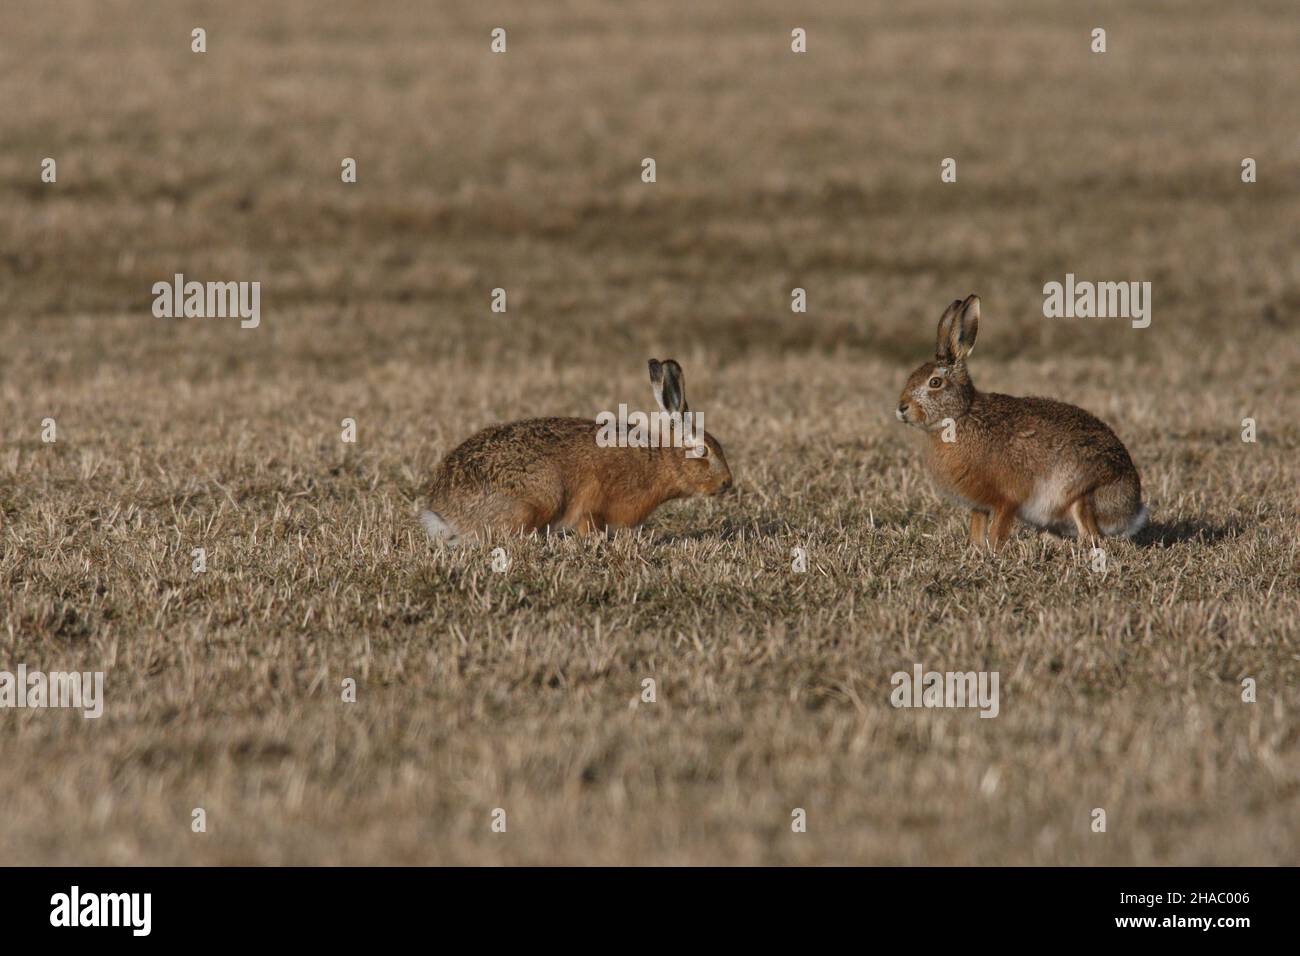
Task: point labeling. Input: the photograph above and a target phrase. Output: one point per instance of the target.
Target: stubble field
(479, 690)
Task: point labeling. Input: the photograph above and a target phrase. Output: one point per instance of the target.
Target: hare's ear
(670, 390)
(943, 341)
(657, 382)
(965, 328)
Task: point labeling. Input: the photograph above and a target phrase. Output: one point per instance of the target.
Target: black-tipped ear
(674, 388)
(657, 382)
(943, 340)
(966, 328)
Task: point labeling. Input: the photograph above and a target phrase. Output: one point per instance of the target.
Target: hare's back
(1065, 428)
(509, 453)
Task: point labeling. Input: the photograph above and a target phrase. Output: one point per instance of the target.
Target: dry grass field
(519, 690)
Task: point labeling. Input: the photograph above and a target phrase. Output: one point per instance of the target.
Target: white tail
(1134, 525)
(1137, 524)
(438, 527)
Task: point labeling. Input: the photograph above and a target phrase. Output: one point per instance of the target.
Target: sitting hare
(552, 473)
(1051, 464)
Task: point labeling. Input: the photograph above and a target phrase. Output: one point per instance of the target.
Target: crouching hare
(1050, 464)
(552, 473)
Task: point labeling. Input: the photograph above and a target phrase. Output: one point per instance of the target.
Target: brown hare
(1050, 464)
(553, 473)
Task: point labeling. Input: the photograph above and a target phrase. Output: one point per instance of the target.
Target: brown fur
(543, 473)
(1053, 465)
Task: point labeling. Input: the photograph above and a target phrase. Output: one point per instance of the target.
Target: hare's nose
(902, 408)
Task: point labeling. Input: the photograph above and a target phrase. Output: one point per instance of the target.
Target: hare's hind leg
(1003, 517)
(1085, 519)
(589, 524)
(513, 515)
(582, 520)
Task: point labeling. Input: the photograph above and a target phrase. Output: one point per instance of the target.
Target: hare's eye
(936, 382)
